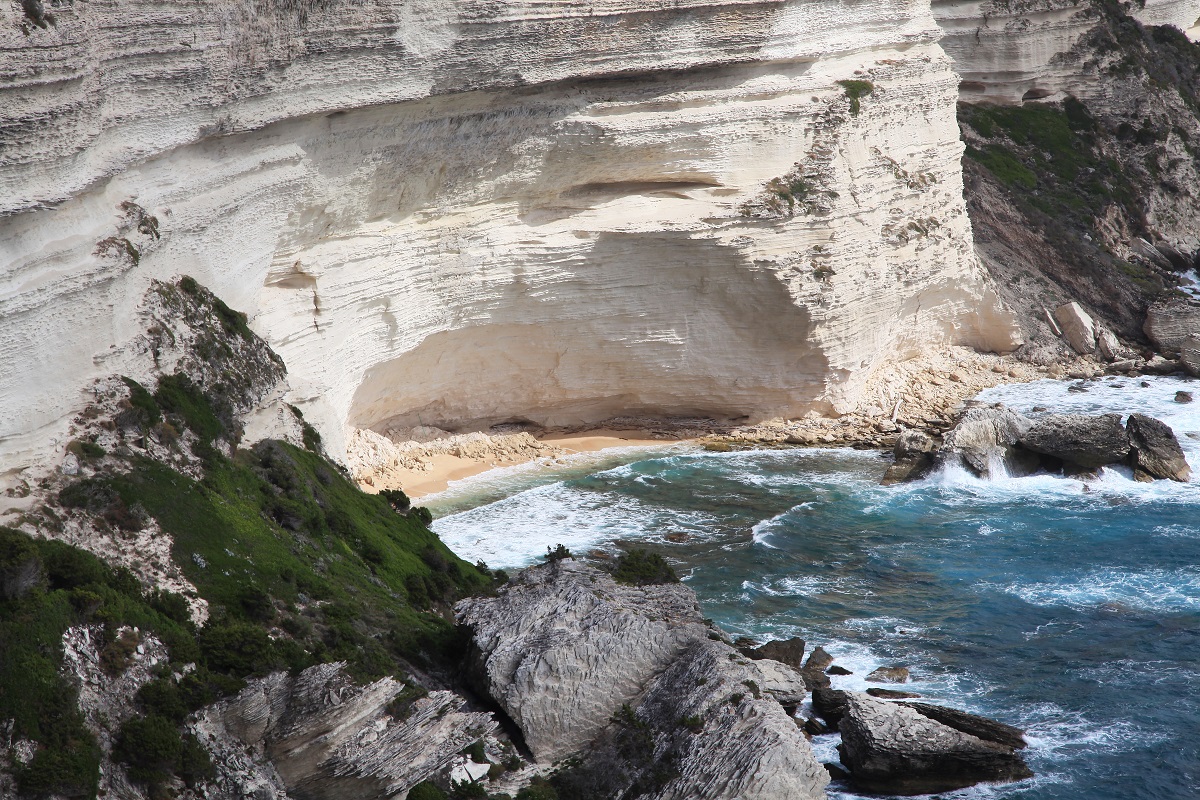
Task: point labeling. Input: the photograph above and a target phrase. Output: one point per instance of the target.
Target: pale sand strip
(445, 468)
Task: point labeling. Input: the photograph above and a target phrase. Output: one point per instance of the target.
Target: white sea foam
(1157, 590)
(515, 531)
(763, 529)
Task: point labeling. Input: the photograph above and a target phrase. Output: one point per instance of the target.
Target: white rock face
(441, 213)
(1007, 51)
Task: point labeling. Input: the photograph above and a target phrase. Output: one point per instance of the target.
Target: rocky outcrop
(1155, 452)
(632, 679)
(1170, 323)
(1078, 327)
(913, 457)
(1080, 440)
(563, 646)
(1189, 355)
(986, 440)
(785, 651)
(894, 749)
(980, 727)
(326, 738)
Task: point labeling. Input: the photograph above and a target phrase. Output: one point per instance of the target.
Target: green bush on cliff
(639, 567)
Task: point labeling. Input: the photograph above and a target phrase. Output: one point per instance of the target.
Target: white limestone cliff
(451, 213)
(1006, 51)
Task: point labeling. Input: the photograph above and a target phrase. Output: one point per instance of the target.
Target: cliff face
(1007, 51)
(456, 212)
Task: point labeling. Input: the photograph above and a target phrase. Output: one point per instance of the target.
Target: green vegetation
(788, 190)
(426, 791)
(557, 554)
(639, 567)
(1050, 157)
(46, 587)
(856, 90)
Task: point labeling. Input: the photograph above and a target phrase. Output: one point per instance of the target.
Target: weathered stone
(1107, 344)
(814, 669)
(836, 670)
(892, 749)
(986, 441)
(914, 460)
(785, 651)
(888, 675)
(1078, 327)
(1183, 397)
(1161, 366)
(890, 694)
(1170, 322)
(829, 704)
(1082, 440)
(1155, 450)
(705, 711)
(987, 729)
(564, 646)
(1189, 355)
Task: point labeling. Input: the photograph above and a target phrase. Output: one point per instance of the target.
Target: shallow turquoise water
(1067, 609)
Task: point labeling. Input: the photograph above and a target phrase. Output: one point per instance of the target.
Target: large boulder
(785, 651)
(1078, 327)
(563, 646)
(987, 729)
(1154, 449)
(893, 749)
(986, 441)
(1081, 440)
(1170, 322)
(704, 730)
(914, 458)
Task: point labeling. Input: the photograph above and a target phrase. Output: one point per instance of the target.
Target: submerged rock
(894, 749)
(1080, 440)
(1154, 449)
(890, 694)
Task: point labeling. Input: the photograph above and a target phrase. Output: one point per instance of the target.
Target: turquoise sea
(1069, 609)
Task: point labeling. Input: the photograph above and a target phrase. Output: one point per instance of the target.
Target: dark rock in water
(829, 705)
(888, 675)
(1077, 388)
(1183, 397)
(787, 651)
(815, 727)
(890, 694)
(814, 669)
(893, 749)
(836, 670)
(987, 438)
(914, 458)
(1080, 439)
(1155, 450)
(836, 772)
(980, 727)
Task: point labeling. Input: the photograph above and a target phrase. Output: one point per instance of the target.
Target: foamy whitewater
(1067, 608)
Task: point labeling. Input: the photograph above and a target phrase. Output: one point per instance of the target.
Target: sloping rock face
(1155, 450)
(1172, 322)
(893, 749)
(634, 681)
(646, 198)
(1083, 440)
(986, 440)
(319, 736)
(563, 646)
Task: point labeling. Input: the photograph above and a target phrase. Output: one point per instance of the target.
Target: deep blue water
(1069, 609)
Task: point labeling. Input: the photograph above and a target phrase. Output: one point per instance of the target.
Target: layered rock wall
(444, 213)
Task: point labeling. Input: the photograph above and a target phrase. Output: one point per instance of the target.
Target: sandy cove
(928, 393)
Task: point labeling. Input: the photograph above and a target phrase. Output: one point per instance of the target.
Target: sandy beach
(444, 468)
